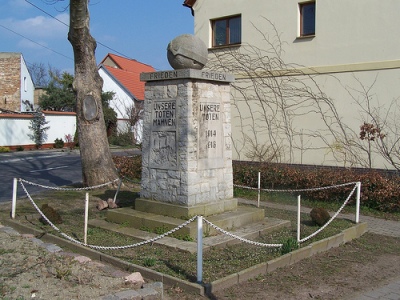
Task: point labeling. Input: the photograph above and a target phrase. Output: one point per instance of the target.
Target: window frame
(25, 84)
(227, 33)
(302, 5)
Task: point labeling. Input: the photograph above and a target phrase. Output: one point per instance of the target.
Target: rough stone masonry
(186, 150)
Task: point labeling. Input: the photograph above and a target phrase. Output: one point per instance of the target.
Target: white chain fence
(152, 240)
(297, 190)
(69, 189)
(356, 185)
(98, 247)
(332, 218)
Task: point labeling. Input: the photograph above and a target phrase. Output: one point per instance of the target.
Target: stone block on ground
(101, 204)
(135, 279)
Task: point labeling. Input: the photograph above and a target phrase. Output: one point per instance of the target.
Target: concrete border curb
(287, 259)
(217, 285)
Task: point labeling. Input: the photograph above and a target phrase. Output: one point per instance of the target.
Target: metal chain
(183, 224)
(331, 219)
(68, 189)
(296, 190)
(103, 247)
(240, 238)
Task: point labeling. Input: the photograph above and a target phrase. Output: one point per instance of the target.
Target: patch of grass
(149, 261)
(217, 262)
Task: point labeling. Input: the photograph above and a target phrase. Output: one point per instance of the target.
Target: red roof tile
(189, 3)
(127, 72)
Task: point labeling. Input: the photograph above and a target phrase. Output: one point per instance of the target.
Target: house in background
(310, 74)
(16, 85)
(122, 76)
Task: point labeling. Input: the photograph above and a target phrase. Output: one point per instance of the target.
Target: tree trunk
(97, 164)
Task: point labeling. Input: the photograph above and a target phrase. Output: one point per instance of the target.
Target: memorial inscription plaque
(163, 154)
(210, 134)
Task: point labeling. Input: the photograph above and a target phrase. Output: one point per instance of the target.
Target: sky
(138, 29)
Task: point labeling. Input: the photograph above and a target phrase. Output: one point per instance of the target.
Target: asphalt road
(46, 167)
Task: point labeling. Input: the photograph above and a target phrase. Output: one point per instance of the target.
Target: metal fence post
(358, 202)
(14, 198)
(199, 249)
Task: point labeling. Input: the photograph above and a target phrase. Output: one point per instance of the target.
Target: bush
(58, 143)
(288, 245)
(20, 148)
(121, 139)
(4, 149)
(378, 191)
(130, 167)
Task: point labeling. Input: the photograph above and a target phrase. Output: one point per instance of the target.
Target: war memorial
(186, 147)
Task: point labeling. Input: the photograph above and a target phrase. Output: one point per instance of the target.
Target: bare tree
(379, 131)
(135, 114)
(273, 98)
(39, 74)
(97, 164)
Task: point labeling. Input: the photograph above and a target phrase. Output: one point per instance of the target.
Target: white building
(122, 77)
(16, 85)
(308, 75)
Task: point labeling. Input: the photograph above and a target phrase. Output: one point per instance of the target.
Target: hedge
(379, 190)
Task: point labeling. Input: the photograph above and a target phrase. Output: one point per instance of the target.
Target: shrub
(20, 148)
(58, 143)
(289, 245)
(38, 128)
(121, 139)
(130, 167)
(378, 190)
(4, 149)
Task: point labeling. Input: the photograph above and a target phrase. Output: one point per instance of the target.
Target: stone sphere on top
(187, 52)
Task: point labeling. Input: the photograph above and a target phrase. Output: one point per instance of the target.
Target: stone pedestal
(186, 147)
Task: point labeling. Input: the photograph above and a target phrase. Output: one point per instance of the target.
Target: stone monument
(186, 146)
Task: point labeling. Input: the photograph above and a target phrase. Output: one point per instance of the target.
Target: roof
(189, 3)
(127, 72)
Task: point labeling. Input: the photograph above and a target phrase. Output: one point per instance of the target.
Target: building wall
(10, 79)
(353, 58)
(27, 89)
(121, 101)
(347, 32)
(14, 128)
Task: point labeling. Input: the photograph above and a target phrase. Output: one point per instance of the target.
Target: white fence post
(199, 249)
(14, 198)
(298, 217)
(86, 217)
(358, 202)
(259, 188)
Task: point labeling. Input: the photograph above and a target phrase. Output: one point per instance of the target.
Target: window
(307, 18)
(227, 31)
(25, 85)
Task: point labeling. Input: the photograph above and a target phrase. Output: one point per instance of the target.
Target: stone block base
(150, 221)
(183, 212)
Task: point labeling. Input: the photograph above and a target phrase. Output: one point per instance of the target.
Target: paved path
(390, 291)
